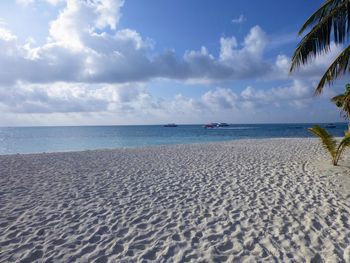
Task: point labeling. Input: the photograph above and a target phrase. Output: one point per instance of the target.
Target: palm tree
(330, 144)
(343, 101)
(330, 22)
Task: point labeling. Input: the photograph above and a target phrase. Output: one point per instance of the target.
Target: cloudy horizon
(114, 62)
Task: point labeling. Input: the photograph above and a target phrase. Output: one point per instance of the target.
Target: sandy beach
(245, 201)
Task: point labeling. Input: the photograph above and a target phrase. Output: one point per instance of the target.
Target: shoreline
(250, 199)
(67, 139)
(163, 145)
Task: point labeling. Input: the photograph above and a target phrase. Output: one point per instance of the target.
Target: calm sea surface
(54, 139)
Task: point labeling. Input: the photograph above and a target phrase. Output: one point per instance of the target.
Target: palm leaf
(345, 142)
(328, 141)
(333, 16)
(316, 17)
(338, 100)
(343, 101)
(336, 69)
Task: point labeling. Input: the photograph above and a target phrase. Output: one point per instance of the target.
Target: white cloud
(54, 2)
(79, 19)
(227, 46)
(86, 45)
(239, 20)
(255, 42)
(80, 97)
(24, 2)
(6, 35)
(220, 98)
(311, 71)
(108, 13)
(70, 98)
(296, 95)
(89, 65)
(247, 61)
(81, 49)
(79, 103)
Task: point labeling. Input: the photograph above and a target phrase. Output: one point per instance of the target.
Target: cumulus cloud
(24, 2)
(108, 13)
(80, 103)
(273, 104)
(298, 90)
(298, 95)
(80, 97)
(87, 33)
(6, 35)
(247, 61)
(220, 98)
(89, 65)
(85, 44)
(77, 23)
(70, 98)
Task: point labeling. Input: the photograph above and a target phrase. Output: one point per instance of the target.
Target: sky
(115, 62)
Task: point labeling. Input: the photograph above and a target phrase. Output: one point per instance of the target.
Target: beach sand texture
(244, 201)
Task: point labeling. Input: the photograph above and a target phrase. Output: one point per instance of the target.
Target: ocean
(60, 139)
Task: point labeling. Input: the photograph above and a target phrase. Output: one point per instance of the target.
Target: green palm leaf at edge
(331, 20)
(336, 69)
(328, 141)
(345, 142)
(338, 98)
(317, 41)
(318, 14)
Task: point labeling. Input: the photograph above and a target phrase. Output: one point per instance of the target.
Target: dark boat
(170, 125)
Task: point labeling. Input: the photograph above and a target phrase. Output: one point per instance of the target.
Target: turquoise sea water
(54, 139)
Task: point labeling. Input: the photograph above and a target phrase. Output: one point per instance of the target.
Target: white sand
(276, 199)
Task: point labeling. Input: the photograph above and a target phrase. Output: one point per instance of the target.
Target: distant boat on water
(216, 125)
(170, 125)
(208, 126)
(331, 126)
(222, 124)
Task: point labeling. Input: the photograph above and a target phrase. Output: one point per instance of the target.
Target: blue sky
(75, 62)
(190, 24)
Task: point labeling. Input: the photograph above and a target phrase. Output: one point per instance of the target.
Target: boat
(216, 125)
(330, 125)
(209, 126)
(170, 125)
(222, 124)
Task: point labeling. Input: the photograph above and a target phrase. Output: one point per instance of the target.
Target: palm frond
(345, 142)
(321, 12)
(342, 101)
(336, 69)
(328, 141)
(337, 98)
(333, 16)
